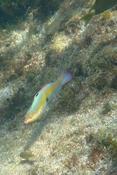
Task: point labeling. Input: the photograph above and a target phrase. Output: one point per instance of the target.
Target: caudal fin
(67, 76)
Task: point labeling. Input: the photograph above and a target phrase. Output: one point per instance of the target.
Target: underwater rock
(7, 95)
(78, 134)
(106, 108)
(114, 82)
(98, 55)
(67, 10)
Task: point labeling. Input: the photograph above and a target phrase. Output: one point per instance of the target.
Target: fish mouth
(28, 119)
(31, 117)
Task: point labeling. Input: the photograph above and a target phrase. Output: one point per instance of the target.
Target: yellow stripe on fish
(44, 96)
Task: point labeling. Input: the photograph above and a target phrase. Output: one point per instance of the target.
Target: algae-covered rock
(8, 93)
(68, 10)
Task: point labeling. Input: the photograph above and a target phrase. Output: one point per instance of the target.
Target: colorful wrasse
(44, 96)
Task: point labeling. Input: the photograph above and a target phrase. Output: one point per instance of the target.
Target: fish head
(31, 117)
(36, 109)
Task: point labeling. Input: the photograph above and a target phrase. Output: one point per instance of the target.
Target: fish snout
(28, 118)
(27, 121)
(31, 117)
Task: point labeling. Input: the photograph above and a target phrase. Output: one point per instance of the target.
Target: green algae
(106, 15)
(88, 17)
(105, 140)
(102, 5)
(106, 108)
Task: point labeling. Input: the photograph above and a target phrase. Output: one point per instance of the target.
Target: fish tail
(66, 77)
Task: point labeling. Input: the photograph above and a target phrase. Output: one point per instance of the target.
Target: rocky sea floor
(80, 143)
(78, 135)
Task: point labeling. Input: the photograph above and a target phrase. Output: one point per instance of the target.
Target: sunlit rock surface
(78, 135)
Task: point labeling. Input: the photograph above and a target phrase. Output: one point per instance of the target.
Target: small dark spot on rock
(8, 99)
(106, 108)
(28, 56)
(12, 77)
(22, 89)
(114, 62)
(8, 44)
(89, 138)
(87, 41)
(30, 162)
(78, 70)
(30, 77)
(12, 127)
(111, 23)
(114, 83)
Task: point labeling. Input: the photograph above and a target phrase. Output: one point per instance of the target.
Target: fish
(44, 96)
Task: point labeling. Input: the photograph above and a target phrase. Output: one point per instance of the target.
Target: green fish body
(44, 96)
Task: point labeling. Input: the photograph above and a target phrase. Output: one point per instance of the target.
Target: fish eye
(36, 94)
